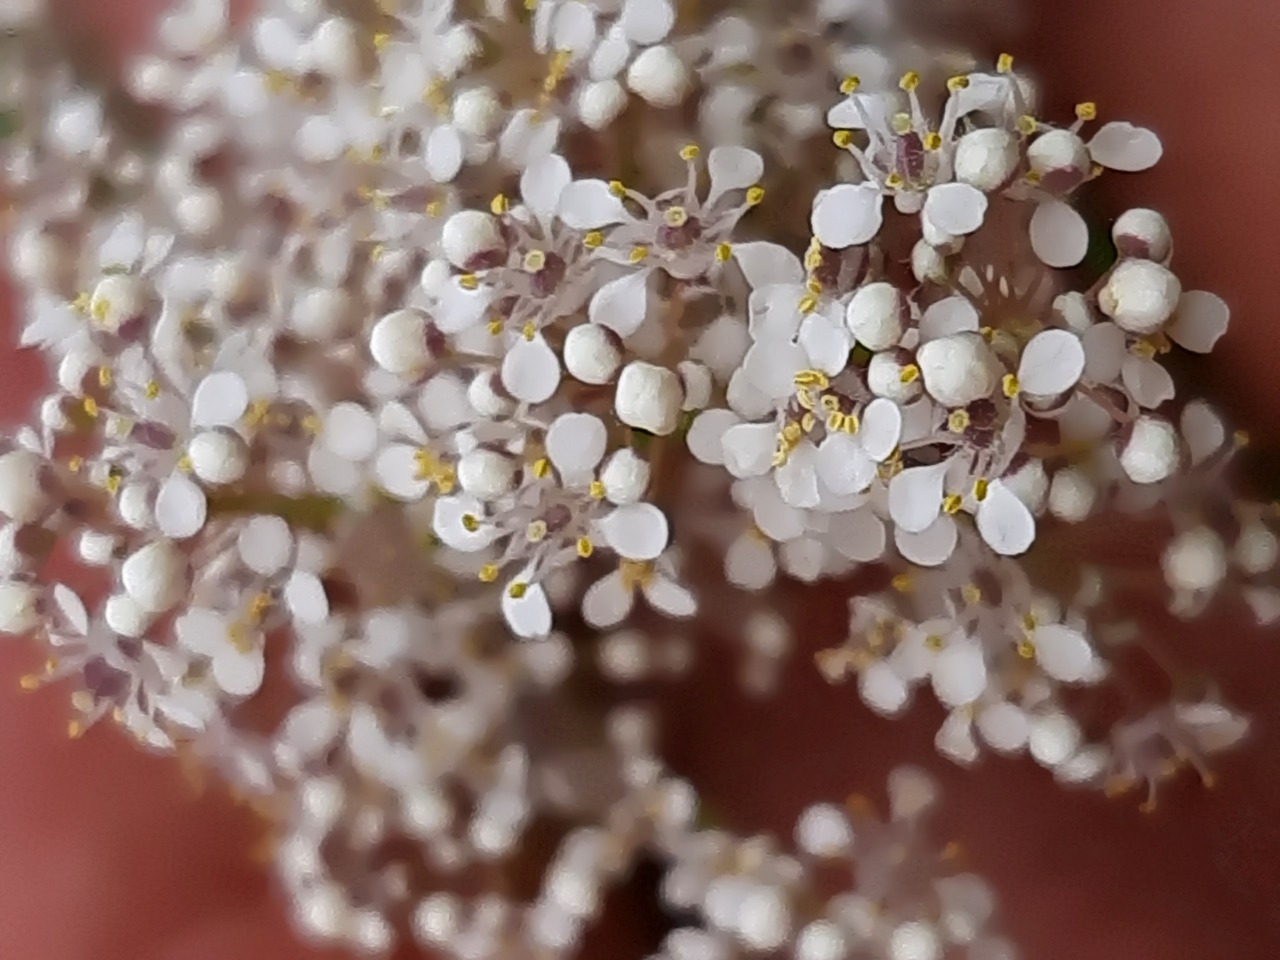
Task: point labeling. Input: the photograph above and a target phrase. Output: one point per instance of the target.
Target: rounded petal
(706, 434)
(265, 544)
(731, 168)
(1059, 235)
(305, 598)
(647, 21)
(858, 535)
(955, 208)
(827, 341)
(949, 315)
(181, 507)
(932, 546)
(1004, 521)
(881, 428)
(1104, 351)
(1201, 318)
(748, 449)
(621, 304)
(220, 400)
(764, 264)
(1063, 653)
(954, 739)
(589, 204)
(1203, 430)
(443, 153)
(1004, 726)
(771, 367)
(960, 673)
(528, 614)
(797, 478)
(669, 597)
(239, 674)
(636, 531)
(398, 472)
(542, 183)
(847, 215)
(843, 465)
(576, 443)
(573, 28)
(749, 562)
(1051, 363)
(1147, 381)
(607, 602)
(881, 689)
(531, 370)
(1122, 146)
(915, 496)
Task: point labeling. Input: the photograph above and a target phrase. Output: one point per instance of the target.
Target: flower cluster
(428, 354)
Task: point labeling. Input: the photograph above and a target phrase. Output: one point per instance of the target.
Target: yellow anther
(988, 333)
(812, 378)
(835, 421)
(90, 406)
(792, 432)
(488, 573)
(808, 422)
(380, 40)
(1009, 385)
(842, 139)
(850, 85)
(76, 729)
(495, 326)
(933, 641)
(1087, 111)
(1004, 63)
(635, 573)
(933, 141)
(433, 208)
(81, 303)
(30, 681)
(531, 5)
(958, 421)
(675, 216)
(468, 281)
(536, 531)
(1027, 125)
(638, 253)
(499, 204)
(980, 488)
(1240, 438)
(830, 403)
(377, 253)
(112, 483)
(585, 547)
(910, 80)
(971, 593)
(75, 464)
(470, 522)
(541, 467)
(596, 489)
(805, 399)
(850, 424)
(894, 181)
(755, 196)
(517, 590)
(593, 240)
(260, 605)
(529, 330)
(951, 504)
(690, 152)
(813, 286)
(534, 261)
(723, 252)
(617, 189)
(808, 304)
(958, 83)
(104, 376)
(1026, 649)
(152, 389)
(902, 583)
(909, 374)
(445, 479)
(1143, 348)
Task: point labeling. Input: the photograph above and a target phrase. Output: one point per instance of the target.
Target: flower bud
(1071, 495)
(1256, 550)
(1195, 560)
(218, 456)
(124, 616)
(986, 158)
(19, 609)
(1140, 296)
(134, 505)
(876, 314)
(1142, 234)
(477, 112)
(486, 396)
(1150, 453)
(625, 476)
(22, 497)
(322, 314)
(96, 548)
(649, 398)
(1058, 151)
(155, 576)
(471, 239)
(592, 353)
(117, 298)
(398, 342)
(600, 103)
(486, 474)
(959, 369)
(659, 76)
(887, 376)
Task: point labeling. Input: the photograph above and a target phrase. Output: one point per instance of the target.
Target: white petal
(1104, 350)
(528, 616)
(122, 247)
(732, 168)
(588, 204)
(1059, 235)
(1147, 381)
(954, 738)
(443, 154)
(265, 545)
(949, 315)
(843, 465)
(765, 263)
(858, 535)
(531, 370)
(305, 598)
(1201, 318)
(847, 215)
(448, 522)
(181, 507)
(220, 400)
(350, 431)
(607, 602)
(777, 520)
(881, 428)
(647, 21)
(1004, 521)
(1004, 726)
(749, 563)
(1063, 653)
(1051, 363)
(1216, 728)
(827, 341)
(855, 112)
(668, 597)
(239, 674)
(542, 183)
(749, 449)
(573, 28)
(960, 673)
(72, 609)
(621, 304)
(955, 208)
(529, 135)
(1122, 146)
(396, 469)
(797, 478)
(772, 367)
(636, 531)
(930, 547)
(881, 689)
(202, 632)
(915, 496)
(1203, 430)
(706, 434)
(576, 443)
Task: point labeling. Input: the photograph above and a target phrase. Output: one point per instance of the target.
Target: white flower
(234, 651)
(958, 369)
(649, 398)
(610, 599)
(1140, 296)
(1151, 451)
